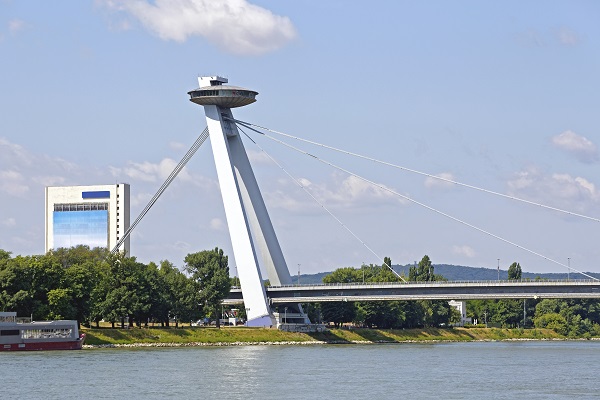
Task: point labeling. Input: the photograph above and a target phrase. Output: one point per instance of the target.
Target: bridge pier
(250, 228)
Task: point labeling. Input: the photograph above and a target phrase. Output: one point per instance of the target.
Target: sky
(499, 95)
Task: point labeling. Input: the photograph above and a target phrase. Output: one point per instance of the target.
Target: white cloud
(177, 146)
(158, 172)
(531, 38)
(259, 157)
(14, 154)
(15, 26)
(9, 222)
(147, 171)
(567, 37)
(348, 192)
(579, 146)
(560, 190)
(217, 224)
(438, 183)
(463, 251)
(50, 180)
(13, 183)
(140, 199)
(355, 189)
(181, 245)
(234, 25)
(563, 36)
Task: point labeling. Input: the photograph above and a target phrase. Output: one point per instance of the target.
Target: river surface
(480, 370)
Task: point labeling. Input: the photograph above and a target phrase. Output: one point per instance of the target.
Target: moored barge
(38, 335)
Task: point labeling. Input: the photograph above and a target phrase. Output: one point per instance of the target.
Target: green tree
(423, 272)
(338, 312)
(553, 321)
(60, 304)
(25, 283)
(432, 312)
(343, 275)
(209, 268)
(4, 255)
(507, 313)
(127, 290)
(514, 271)
(183, 293)
(383, 314)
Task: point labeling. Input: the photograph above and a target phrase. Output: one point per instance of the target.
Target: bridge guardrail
(441, 283)
(488, 282)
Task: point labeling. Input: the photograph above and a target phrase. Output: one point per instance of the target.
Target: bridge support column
(250, 227)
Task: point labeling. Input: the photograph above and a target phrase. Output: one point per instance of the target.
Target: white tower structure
(249, 224)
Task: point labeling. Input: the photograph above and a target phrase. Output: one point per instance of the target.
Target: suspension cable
(382, 187)
(248, 125)
(319, 203)
(203, 136)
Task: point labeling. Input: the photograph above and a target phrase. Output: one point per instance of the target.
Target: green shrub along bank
(242, 335)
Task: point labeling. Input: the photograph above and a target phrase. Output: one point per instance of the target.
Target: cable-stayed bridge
(437, 290)
(255, 244)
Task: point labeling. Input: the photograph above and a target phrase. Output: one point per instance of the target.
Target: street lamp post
(285, 315)
(298, 274)
(498, 269)
(569, 270)
(363, 269)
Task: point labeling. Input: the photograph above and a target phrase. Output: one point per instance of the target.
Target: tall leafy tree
(183, 293)
(209, 268)
(515, 272)
(423, 272)
(127, 291)
(338, 312)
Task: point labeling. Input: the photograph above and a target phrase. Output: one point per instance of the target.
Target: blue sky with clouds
(502, 96)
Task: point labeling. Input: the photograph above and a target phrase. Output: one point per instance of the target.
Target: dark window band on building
(81, 207)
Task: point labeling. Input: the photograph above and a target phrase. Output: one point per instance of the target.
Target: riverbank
(239, 336)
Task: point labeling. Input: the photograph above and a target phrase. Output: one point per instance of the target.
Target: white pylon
(249, 224)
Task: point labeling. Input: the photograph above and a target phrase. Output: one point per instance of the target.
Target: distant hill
(460, 273)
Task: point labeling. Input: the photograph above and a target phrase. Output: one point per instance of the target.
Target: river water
(480, 370)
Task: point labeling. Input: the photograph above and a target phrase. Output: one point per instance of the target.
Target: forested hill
(459, 273)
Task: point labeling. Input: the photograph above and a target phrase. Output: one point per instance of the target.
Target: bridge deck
(452, 290)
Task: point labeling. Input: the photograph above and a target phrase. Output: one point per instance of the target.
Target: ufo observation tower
(252, 235)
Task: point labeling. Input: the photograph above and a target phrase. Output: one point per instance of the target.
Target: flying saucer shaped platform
(223, 96)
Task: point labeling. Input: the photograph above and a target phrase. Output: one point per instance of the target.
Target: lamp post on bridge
(363, 271)
(569, 270)
(498, 269)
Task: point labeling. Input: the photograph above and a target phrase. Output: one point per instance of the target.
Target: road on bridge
(452, 290)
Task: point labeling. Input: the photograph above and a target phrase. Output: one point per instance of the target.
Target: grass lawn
(261, 335)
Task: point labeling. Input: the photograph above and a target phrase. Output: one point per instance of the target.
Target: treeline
(385, 314)
(90, 285)
(572, 317)
(568, 317)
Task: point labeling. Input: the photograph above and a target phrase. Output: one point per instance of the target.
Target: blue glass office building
(95, 216)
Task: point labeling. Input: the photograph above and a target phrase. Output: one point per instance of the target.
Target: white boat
(38, 335)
